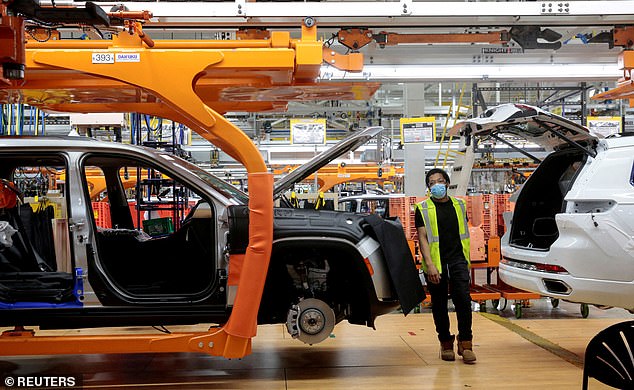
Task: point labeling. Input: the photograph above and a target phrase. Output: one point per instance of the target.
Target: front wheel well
(332, 271)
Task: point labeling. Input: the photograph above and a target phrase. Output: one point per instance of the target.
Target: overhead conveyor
(393, 14)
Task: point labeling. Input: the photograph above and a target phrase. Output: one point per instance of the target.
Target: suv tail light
(550, 268)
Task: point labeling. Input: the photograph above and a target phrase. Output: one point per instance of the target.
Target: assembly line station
(235, 77)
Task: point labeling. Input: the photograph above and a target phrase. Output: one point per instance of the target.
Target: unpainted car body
(157, 260)
(571, 235)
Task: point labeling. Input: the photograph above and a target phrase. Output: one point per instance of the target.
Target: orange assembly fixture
(329, 176)
(191, 82)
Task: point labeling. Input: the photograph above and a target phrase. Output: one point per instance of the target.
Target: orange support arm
(255, 265)
(231, 341)
(166, 74)
(328, 177)
(170, 76)
(141, 15)
(625, 86)
(623, 36)
(351, 62)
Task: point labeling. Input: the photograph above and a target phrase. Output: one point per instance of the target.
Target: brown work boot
(446, 349)
(465, 349)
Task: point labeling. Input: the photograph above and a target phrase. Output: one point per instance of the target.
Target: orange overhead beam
(493, 37)
(285, 70)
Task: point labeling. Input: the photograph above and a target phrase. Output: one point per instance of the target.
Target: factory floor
(542, 350)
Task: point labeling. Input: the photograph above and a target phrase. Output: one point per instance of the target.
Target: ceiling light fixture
(507, 72)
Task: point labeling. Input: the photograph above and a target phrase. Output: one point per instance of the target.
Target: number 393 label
(103, 58)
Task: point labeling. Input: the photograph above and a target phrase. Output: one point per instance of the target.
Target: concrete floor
(543, 348)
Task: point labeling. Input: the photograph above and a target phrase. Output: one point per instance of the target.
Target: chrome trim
(527, 266)
(568, 288)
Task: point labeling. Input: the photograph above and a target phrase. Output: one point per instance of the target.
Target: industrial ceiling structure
(514, 43)
(425, 53)
(422, 33)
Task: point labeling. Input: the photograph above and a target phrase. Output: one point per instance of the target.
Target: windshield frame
(221, 186)
(217, 184)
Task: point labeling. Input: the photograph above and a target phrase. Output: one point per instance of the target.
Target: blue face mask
(438, 191)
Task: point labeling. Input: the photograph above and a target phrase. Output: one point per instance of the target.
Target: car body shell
(297, 233)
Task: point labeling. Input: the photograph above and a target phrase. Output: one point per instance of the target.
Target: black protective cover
(400, 262)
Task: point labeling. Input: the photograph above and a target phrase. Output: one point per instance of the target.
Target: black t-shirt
(448, 231)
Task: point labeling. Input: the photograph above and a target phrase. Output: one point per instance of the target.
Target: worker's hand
(433, 276)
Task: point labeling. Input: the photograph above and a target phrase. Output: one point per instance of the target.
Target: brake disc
(311, 321)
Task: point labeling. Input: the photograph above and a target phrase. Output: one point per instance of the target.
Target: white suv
(572, 231)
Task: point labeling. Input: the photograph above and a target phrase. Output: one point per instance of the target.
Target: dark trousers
(455, 278)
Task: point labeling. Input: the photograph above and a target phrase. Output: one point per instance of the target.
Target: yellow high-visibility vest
(428, 211)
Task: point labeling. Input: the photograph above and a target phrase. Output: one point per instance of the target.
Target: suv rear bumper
(610, 293)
